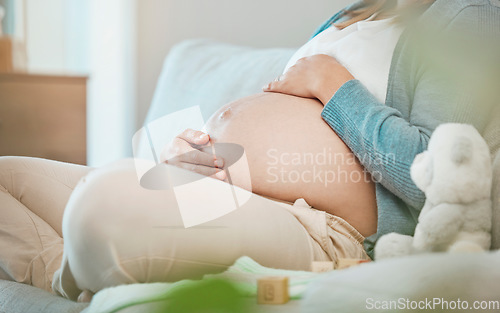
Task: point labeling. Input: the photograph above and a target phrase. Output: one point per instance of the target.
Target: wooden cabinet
(43, 116)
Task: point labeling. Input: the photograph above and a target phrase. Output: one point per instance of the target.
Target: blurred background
(88, 68)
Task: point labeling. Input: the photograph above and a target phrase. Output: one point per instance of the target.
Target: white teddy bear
(456, 176)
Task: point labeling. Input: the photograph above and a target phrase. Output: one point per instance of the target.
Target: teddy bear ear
(461, 151)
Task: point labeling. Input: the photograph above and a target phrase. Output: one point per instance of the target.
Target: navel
(226, 114)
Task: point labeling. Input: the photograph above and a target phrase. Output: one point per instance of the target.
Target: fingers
(185, 153)
(281, 83)
(275, 86)
(194, 137)
(204, 170)
(303, 78)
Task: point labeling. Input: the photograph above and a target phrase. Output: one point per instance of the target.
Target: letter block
(272, 290)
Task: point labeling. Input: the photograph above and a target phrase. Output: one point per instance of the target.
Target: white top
(364, 48)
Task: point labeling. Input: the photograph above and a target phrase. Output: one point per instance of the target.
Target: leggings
(117, 232)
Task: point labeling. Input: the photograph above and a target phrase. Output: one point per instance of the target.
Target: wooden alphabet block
(320, 267)
(345, 263)
(272, 290)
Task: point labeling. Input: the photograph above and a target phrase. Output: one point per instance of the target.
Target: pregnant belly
(292, 153)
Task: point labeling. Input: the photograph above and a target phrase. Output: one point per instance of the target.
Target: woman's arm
(384, 142)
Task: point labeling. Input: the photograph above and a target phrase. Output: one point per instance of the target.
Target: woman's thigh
(33, 194)
(117, 232)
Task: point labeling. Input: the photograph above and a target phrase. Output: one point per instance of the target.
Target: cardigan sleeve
(383, 141)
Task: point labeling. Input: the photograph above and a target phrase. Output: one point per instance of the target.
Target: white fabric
(364, 48)
(243, 274)
(425, 277)
(495, 197)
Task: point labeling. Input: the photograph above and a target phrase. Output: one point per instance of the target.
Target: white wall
(111, 63)
(259, 23)
(94, 38)
(45, 35)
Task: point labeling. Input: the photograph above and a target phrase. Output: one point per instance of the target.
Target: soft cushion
(210, 74)
(495, 196)
(470, 277)
(21, 298)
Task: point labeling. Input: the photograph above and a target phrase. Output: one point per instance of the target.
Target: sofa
(210, 74)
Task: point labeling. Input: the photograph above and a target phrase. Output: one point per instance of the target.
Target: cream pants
(116, 232)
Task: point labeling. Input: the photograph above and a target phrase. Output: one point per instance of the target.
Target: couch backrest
(210, 74)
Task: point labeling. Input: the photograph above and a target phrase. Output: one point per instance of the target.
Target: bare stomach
(292, 153)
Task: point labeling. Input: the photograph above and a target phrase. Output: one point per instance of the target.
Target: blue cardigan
(420, 96)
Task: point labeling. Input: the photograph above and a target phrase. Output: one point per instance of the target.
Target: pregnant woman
(328, 144)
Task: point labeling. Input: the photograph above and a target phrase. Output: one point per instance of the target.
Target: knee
(10, 163)
(8, 166)
(94, 220)
(97, 201)
(110, 199)
(108, 219)
(109, 207)
(19, 163)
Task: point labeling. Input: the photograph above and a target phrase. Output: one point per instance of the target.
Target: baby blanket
(243, 274)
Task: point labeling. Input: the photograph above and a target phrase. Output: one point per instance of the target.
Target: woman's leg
(33, 194)
(117, 232)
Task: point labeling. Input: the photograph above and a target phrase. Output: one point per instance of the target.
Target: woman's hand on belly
(318, 77)
(185, 151)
